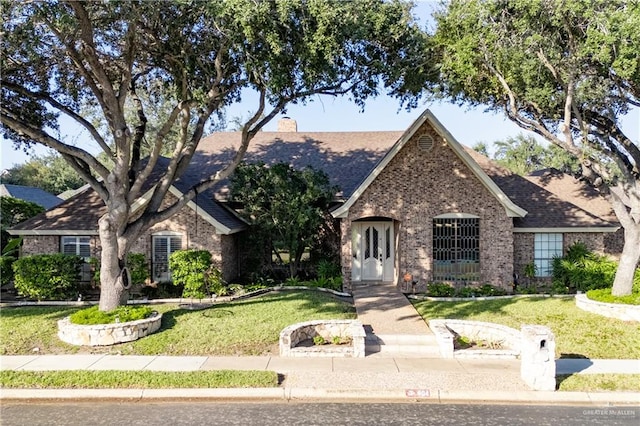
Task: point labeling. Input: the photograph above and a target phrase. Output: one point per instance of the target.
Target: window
(546, 247)
(162, 247)
(456, 249)
(78, 246)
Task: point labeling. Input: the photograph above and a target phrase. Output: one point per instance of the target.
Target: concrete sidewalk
(399, 379)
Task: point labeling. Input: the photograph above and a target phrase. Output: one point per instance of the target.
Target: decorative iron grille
(456, 250)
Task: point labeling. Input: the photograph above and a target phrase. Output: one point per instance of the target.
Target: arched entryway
(373, 250)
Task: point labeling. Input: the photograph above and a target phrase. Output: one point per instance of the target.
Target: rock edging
(107, 334)
(444, 330)
(292, 335)
(610, 310)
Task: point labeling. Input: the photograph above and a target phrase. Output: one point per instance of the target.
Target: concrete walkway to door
(392, 324)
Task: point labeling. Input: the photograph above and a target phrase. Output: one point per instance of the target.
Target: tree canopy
(524, 154)
(14, 211)
(49, 172)
(288, 205)
(568, 71)
(62, 57)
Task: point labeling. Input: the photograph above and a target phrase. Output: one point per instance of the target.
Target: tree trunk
(112, 288)
(113, 277)
(623, 283)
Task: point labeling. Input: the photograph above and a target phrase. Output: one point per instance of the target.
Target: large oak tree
(61, 58)
(566, 70)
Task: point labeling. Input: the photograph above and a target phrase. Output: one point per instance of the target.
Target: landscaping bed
(246, 327)
(577, 333)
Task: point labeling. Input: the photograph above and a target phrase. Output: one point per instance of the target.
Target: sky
(468, 126)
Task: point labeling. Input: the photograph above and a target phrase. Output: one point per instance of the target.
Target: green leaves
(290, 205)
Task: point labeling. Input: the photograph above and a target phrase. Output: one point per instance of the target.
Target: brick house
(414, 202)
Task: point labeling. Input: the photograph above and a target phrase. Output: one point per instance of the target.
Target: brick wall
(196, 234)
(415, 187)
(47, 244)
(599, 242)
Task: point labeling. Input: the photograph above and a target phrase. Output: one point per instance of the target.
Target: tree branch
(62, 108)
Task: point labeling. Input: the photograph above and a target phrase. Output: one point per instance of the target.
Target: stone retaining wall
(107, 334)
(609, 310)
(476, 330)
(292, 335)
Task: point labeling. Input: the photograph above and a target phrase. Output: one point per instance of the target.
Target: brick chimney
(287, 124)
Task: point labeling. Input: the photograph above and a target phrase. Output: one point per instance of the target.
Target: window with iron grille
(162, 247)
(546, 247)
(456, 249)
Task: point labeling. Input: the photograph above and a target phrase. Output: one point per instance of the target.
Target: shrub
(215, 283)
(440, 290)
(604, 295)
(490, 290)
(92, 315)
(328, 269)
(334, 283)
(583, 270)
(466, 292)
(190, 269)
(137, 264)
(9, 255)
(48, 276)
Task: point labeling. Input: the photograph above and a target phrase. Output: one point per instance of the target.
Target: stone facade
(418, 185)
(44, 244)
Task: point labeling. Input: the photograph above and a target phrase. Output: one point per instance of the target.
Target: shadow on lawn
(321, 303)
(464, 309)
(48, 312)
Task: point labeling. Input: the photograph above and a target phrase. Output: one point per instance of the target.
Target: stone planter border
(610, 310)
(107, 334)
(292, 335)
(444, 331)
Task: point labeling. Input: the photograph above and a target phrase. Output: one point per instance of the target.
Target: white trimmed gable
(512, 210)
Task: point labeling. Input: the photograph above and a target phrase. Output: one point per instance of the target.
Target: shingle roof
(29, 193)
(82, 211)
(575, 191)
(346, 157)
(545, 209)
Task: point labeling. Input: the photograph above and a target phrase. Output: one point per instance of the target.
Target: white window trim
(537, 259)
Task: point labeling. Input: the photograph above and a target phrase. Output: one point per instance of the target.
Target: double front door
(373, 251)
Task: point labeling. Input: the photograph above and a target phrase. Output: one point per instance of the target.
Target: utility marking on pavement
(417, 393)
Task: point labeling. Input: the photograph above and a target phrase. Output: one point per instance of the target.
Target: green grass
(599, 382)
(577, 333)
(604, 295)
(137, 379)
(248, 327)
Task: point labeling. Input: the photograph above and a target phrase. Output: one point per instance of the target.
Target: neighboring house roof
(31, 194)
(79, 214)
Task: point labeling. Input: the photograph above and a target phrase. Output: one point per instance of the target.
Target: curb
(335, 395)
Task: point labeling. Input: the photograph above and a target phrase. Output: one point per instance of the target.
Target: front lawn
(137, 379)
(578, 333)
(247, 327)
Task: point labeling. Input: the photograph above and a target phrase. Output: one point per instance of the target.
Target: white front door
(373, 251)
